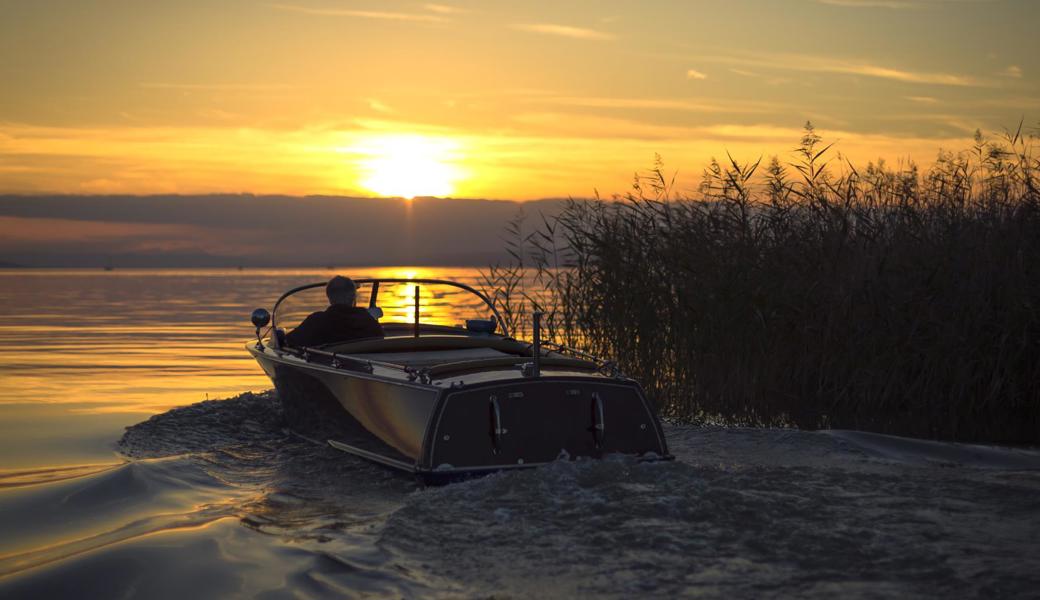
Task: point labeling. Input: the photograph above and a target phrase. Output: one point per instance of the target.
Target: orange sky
(487, 99)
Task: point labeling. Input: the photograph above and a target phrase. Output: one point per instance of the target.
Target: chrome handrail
(423, 374)
(579, 353)
(307, 351)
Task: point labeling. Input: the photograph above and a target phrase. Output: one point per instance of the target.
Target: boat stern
(524, 422)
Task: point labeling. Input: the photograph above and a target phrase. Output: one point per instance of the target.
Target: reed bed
(810, 293)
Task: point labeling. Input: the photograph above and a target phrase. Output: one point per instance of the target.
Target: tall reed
(813, 293)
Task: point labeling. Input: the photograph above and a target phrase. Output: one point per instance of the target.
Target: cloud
(444, 9)
(1013, 71)
(213, 87)
(546, 153)
(1028, 104)
(922, 99)
(218, 114)
(953, 122)
(378, 106)
(882, 72)
(816, 64)
(579, 33)
(361, 14)
(756, 132)
(895, 4)
(695, 74)
(656, 104)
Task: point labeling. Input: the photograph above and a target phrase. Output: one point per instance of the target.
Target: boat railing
(608, 367)
(337, 360)
(581, 360)
(554, 347)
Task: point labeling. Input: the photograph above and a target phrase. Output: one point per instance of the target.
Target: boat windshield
(440, 303)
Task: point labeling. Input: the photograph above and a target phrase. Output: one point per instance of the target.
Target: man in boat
(340, 322)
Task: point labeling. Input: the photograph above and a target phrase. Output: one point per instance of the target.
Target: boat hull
(443, 431)
(317, 398)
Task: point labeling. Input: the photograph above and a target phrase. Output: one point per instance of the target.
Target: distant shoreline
(228, 231)
(237, 268)
(264, 267)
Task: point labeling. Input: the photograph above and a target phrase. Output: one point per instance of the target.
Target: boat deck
(431, 358)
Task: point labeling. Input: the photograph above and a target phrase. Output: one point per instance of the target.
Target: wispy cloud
(922, 99)
(953, 122)
(219, 115)
(882, 72)
(1013, 71)
(815, 64)
(445, 9)
(771, 80)
(755, 132)
(656, 104)
(378, 106)
(544, 154)
(756, 136)
(895, 4)
(695, 74)
(213, 87)
(361, 14)
(579, 33)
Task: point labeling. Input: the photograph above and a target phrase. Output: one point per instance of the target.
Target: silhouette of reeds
(811, 294)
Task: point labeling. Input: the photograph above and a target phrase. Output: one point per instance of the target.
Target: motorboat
(445, 400)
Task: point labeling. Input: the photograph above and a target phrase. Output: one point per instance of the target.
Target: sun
(407, 166)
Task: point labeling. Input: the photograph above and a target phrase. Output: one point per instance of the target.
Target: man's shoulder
(355, 318)
(349, 311)
(315, 317)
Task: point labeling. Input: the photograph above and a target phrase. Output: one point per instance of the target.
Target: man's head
(341, 290)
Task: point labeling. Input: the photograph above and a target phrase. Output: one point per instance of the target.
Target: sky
(502, 100)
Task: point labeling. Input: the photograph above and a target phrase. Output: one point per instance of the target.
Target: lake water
(84, 353)
(216, 499)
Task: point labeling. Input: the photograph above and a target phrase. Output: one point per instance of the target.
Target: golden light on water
(409, 273)
(407, 166)
(127, 357)
(439, 304)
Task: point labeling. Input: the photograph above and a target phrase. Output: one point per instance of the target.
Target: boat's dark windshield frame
(380, 280)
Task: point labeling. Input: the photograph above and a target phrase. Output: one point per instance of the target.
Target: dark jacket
(337, 323)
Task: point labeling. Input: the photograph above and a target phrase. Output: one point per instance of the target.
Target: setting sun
(409, 166)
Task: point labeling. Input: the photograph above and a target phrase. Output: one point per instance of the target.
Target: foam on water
(219, 499)
(621, 528)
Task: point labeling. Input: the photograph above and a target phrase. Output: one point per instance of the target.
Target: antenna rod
(416, 311)
(536, 368)
(373, 297)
